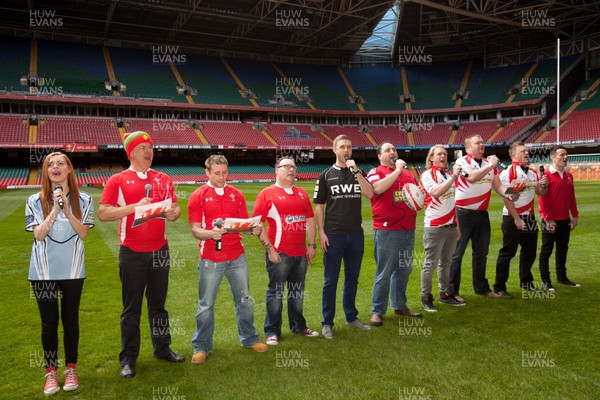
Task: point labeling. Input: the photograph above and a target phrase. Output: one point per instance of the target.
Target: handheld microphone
(405, 164)
(545, 185)
(346, 158)
(218, 223)
(61, 202)
(148, 188)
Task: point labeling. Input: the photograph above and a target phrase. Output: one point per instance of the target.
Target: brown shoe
(376, 320)
(492, 295)
(407, 312)
(258, 347)
(199, 357)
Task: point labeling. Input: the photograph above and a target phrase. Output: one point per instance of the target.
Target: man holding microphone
(473, 192)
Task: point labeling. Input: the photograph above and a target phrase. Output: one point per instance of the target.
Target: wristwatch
(358, 171)
(313, 245)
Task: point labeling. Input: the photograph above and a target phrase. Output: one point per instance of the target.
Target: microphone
(405, 164)
(218, 223)
(148, 188)
(346, 158)
(61, 202)
(545, 185)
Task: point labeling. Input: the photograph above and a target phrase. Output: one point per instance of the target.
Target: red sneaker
(51, 385)
(71, 380)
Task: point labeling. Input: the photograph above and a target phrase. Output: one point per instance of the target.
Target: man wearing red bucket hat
(144, 259)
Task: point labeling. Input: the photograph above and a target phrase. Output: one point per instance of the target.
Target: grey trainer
(357, 323)
(327, 331)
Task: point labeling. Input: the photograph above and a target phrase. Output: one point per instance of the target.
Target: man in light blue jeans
(210, 275)
(221, 254)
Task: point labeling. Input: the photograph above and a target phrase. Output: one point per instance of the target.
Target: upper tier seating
(71, 68)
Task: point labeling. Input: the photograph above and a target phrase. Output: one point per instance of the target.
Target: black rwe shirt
(338, 189)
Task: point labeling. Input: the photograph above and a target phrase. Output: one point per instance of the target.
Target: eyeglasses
(288, 166)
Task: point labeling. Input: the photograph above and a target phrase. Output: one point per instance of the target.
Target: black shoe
(427, 302)
(567, 282)
(504, 294)
(127, 371)
(450, 299)
(547, 286)
(173, 357)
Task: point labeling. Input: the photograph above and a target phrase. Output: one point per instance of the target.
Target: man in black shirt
(338, 191)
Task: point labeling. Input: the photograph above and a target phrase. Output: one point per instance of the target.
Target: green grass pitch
(538, 348)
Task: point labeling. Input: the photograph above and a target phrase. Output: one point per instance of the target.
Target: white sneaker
(327, 331)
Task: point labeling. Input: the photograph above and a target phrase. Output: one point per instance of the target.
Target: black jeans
(474, 227)
(48, 294)
(144, 272)
(561, 236)
(511, 239)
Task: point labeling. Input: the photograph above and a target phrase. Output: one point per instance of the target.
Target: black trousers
(511, 239)
(48, 294)
(561, 237)
(144, 272)
(474, 227)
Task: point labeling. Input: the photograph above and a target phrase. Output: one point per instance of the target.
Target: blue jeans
(292, 270)
(349, 248)
(394, 252)
(210, 275)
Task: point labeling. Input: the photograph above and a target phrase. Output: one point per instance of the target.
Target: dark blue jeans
(292, 270)
(474, 227)
(350, 249)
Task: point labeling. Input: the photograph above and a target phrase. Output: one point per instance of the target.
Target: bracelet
(268, 247)
(358, 171)
(313, 245)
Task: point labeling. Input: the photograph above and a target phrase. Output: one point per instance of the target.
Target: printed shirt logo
(290, 219)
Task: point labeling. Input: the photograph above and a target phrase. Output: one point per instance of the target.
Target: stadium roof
(324, 31)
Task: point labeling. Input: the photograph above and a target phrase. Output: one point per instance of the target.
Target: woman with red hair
(60, 217)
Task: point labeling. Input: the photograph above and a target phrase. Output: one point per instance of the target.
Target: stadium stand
(433, 85)
(379, 86)
(234, 134)
(71, 68)
(297, 135)
(214, 84)
(322, 83)
(63, 130)
(146, 74)
(166, 130)
(14, 62)
(265, 82)
(13, 176)
(13, 129)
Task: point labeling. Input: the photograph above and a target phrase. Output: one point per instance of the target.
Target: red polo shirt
(560, 199)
